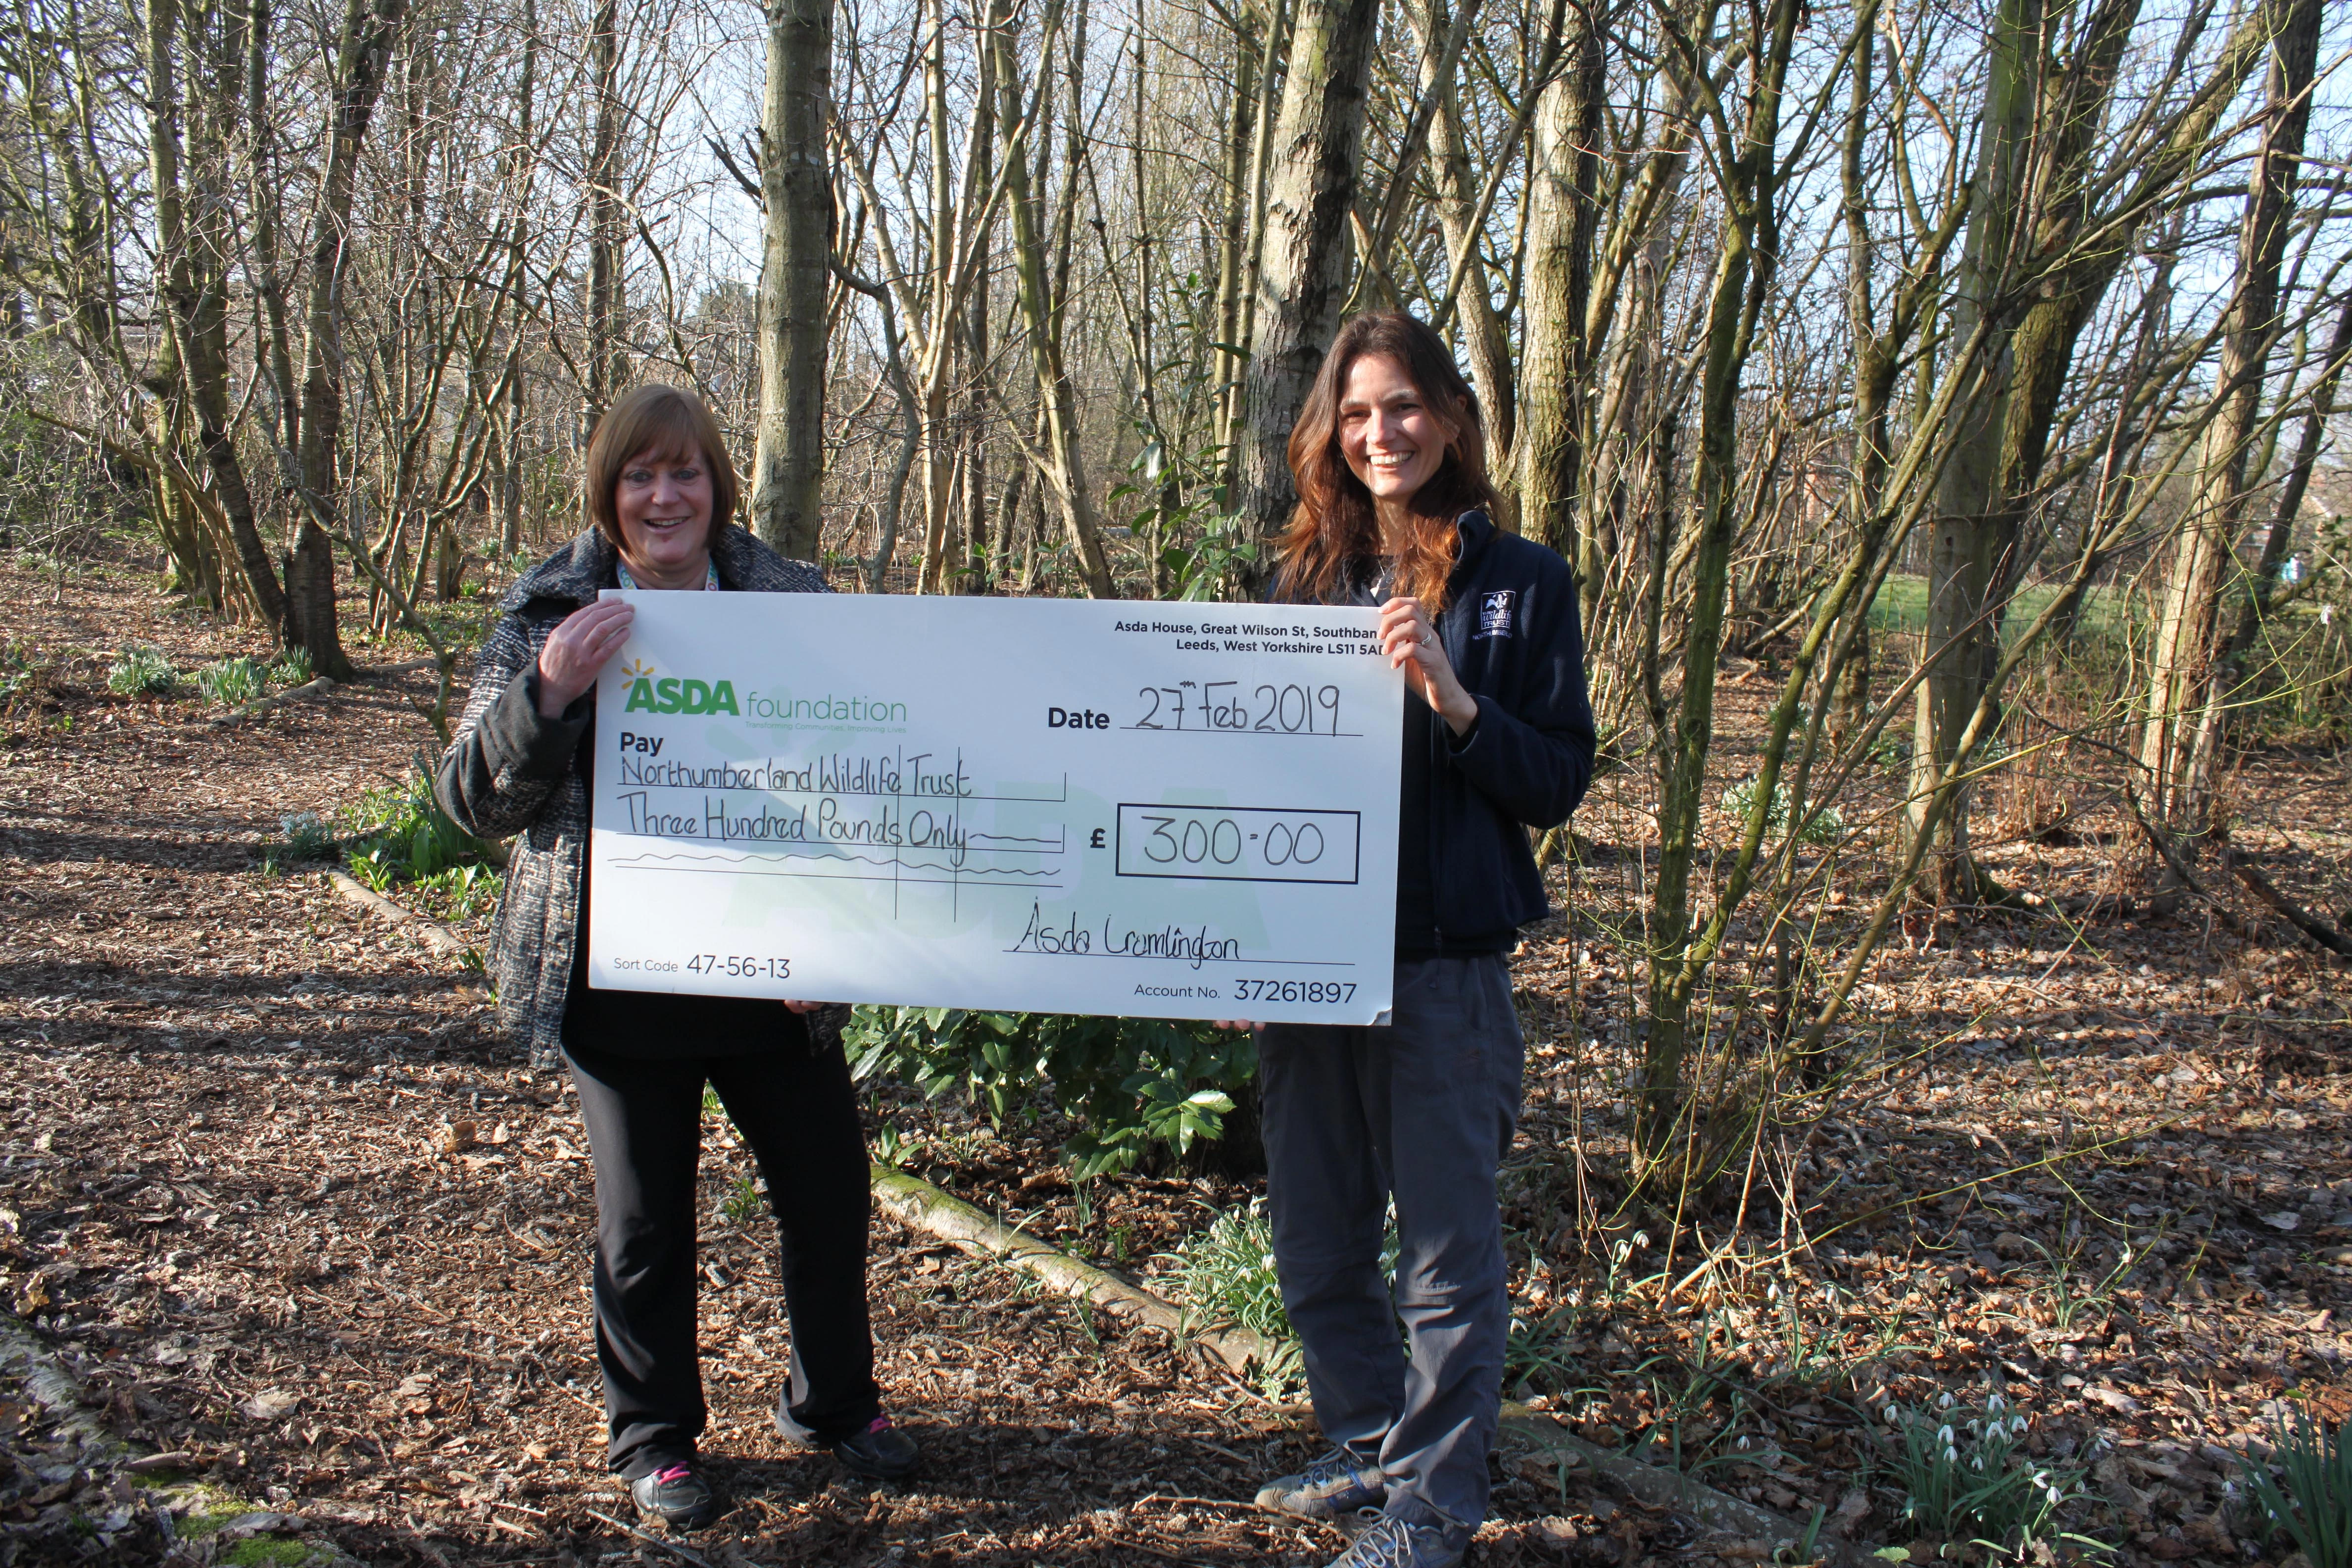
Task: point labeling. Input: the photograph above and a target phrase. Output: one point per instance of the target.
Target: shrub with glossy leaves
(1129, 1083)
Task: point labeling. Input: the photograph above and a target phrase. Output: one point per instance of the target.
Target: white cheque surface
(1043, 805)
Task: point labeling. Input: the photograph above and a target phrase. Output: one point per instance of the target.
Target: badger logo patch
(1494, 614)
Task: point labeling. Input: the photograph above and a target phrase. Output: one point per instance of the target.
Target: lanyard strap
(709, 581)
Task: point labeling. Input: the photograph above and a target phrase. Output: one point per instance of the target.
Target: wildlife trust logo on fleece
(1495, 613)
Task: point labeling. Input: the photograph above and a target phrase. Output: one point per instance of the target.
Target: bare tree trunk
(525, 175)
(1747, 259)
(1969, 548)
(194, 288)
(607, 363)
(1061, 463)
(368, 27)
(1233, 233)
(1458, 209)
(2176, 748)
(1304, 275)
(938, 333)
(796, 189)
(1564, 165)
(970, 574)
(1272, 75)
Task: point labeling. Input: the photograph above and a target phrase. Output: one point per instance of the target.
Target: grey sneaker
(1332, 1491)
(1391, 1542)
(676, 1496)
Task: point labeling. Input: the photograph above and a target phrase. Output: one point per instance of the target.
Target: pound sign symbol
(1098, 841)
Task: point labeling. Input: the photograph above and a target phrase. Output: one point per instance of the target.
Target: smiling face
(1393, 441)
(662, 501)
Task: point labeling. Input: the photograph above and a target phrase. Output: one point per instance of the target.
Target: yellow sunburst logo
(637, 670)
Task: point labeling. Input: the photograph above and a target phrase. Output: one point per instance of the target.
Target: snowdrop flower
(2017, 1425)
(1995, 1406)
(1641, 1238)
(1977, 1464)
(1743, 1445)
(1888, 1413)
(2054, 1499)
(1945, 1403)
(1944, 1435)
(1951, 1455)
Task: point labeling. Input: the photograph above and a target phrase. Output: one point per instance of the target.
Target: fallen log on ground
(431, 933)
(179, 1501)
(319, 687)
(2287, 909)
(919, 1205)
(1655, 1487)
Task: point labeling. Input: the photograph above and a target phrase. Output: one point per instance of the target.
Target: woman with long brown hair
(1394, 511)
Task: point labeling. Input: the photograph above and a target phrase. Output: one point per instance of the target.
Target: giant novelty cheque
(1147, 809)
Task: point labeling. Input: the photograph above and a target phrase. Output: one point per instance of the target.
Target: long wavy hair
(1334, 537)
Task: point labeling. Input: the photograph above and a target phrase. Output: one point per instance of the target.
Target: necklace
(709, 577)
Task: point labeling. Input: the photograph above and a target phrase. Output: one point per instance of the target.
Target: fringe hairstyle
(1334, 537)
(668, 423)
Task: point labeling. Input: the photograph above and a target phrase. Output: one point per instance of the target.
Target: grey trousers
(1421, 1111)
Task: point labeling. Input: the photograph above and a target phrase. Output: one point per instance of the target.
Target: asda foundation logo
(650, 692)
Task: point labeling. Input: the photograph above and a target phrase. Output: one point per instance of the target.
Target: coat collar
(1476, 531)
(580, 570)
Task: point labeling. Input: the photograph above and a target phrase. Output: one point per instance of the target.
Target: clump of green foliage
(301, 836)
(2310, 1496)
(1966, 1475)
(1226, 1273)
(1129, 1083)
(294, 668)
(398, 833)
(1823, 826)
(141, 672)
(233, 682)
(460, 893)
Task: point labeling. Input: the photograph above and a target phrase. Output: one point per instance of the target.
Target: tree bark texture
(195, 286)
(1969, 545)
(796, 197)
(368, 27)
(1564, 166)
(2176, 748)
(1303, 275)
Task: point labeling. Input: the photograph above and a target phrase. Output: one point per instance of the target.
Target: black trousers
(796, 1108)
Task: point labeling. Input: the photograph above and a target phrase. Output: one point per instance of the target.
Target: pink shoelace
(675, 1473)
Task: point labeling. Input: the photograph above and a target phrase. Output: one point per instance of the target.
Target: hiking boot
(677, 1496)
(1332, 1491)
(1387, 1542)
(880, 1453)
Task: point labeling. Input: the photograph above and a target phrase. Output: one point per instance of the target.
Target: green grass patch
(264, 1551)
(1901, 606)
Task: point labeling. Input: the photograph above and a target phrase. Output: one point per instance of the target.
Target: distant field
(1901, 606)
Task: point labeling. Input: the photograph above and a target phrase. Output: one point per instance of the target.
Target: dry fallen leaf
(457, 1135)
(2285, 1219)
(271, 1404)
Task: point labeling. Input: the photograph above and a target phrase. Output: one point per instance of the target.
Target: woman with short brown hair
(661, 499)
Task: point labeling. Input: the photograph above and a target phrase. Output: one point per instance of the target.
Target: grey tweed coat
(511, 773)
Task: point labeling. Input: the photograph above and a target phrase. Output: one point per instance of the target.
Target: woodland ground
(228, 1204)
